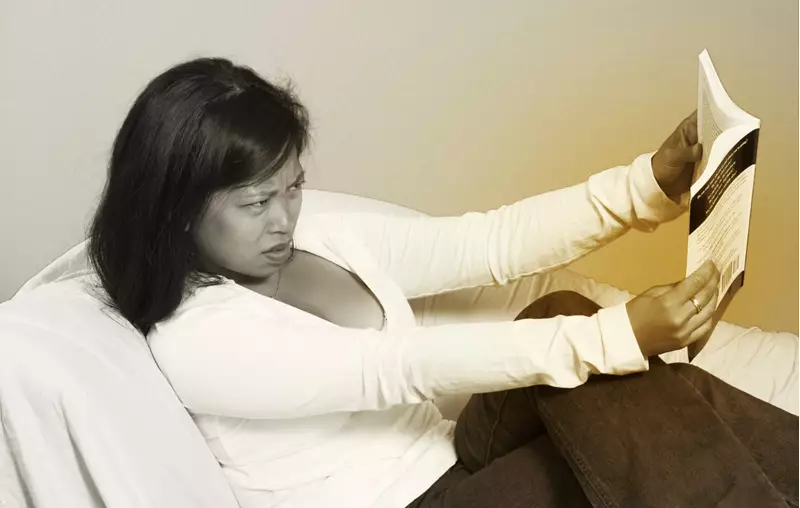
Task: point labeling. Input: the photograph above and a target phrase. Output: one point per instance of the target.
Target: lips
(277, 248)
(278, 251)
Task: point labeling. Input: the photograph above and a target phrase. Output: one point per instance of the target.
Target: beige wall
(442, 106)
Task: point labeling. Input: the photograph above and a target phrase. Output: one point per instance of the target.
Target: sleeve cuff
(658, 205)
(622, 353)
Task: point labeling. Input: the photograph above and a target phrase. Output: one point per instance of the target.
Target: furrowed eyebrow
(268, 194)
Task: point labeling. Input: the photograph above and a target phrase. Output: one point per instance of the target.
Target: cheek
(227, 240)
(295, 206)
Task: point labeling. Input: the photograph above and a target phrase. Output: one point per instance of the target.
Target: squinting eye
(299, 185)
(259, 204)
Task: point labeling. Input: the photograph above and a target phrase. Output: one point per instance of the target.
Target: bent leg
(494, 424)
(682, 434)
(768, 432)
(505, 456)
(652, 440)
(673, 436)
(533, 475)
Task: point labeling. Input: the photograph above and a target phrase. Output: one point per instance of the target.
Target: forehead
(283, 177)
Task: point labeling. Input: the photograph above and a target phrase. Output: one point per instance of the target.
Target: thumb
(696, 152)
(688, 154)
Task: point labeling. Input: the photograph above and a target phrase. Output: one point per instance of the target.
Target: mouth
(277, 248)
(277, 251)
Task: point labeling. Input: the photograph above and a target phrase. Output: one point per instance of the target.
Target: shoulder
(349, 221)
(333, 236)
(211, 309)
(358, 226)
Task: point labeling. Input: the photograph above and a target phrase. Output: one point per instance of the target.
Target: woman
(291, 342)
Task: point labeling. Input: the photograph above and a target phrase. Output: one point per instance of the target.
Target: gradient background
(445, 107)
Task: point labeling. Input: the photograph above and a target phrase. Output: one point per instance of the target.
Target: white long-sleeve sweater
(302, 413)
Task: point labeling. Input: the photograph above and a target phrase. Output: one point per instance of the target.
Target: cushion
(87, 417)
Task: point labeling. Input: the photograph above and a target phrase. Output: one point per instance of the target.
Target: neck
(267, 286)
(263, 281)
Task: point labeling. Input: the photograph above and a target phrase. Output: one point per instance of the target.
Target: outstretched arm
(429, 255)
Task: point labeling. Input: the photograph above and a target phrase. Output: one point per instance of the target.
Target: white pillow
(87, 418)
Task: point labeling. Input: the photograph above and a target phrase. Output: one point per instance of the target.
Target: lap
(505, 455)
(494, 427)
(495, 424)
(534, 472)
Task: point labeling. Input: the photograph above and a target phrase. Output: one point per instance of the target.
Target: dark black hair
(201, 126)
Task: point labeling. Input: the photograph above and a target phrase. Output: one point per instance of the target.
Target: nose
(279, 217)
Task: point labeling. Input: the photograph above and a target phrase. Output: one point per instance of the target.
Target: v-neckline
(324, 236)
(370, 288)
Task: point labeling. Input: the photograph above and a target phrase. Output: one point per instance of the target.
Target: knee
(701, 380)
(688, 371)
(559, 303)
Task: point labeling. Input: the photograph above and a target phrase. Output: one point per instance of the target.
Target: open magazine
(722, 192)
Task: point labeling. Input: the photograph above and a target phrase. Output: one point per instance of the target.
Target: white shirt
(304, 413)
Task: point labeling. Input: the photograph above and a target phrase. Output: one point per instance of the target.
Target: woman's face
(247, 231)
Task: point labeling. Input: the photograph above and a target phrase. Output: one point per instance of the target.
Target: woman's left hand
(673, 164)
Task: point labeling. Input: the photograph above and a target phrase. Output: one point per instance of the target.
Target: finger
(696, 152)
(700, 332)
(657, 291)
(685, 154)
(692, 284)
(705, 319)
(707, 298)
(689, 128)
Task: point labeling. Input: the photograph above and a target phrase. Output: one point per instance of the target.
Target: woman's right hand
(664, 318)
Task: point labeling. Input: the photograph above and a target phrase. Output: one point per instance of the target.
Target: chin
(257, 272)
(263, 270)
(252, 272)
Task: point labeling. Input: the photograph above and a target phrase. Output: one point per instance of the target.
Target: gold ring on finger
(696, 304)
